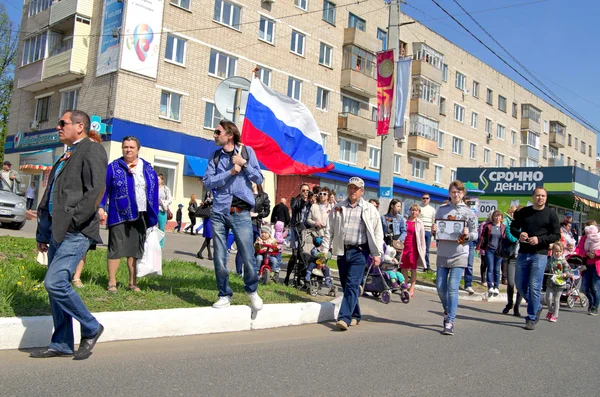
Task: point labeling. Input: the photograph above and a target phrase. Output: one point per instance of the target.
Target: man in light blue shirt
(231, 180)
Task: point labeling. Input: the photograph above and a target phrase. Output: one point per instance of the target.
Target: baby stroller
(377, 282)
(571, 293)
(318, 274)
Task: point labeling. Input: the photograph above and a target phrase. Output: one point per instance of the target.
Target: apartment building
(106, 57)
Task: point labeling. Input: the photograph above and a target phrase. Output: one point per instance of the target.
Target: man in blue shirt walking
(231, 180)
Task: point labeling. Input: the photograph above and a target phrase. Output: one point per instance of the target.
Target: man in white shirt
(428, 218)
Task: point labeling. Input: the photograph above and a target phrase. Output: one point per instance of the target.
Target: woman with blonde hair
(414, 246)
(192, 207)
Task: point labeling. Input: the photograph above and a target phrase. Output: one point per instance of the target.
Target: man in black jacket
(536, 227)
(281, 212)
(300, 207)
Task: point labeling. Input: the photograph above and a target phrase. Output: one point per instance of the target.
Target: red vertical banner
(385, 90)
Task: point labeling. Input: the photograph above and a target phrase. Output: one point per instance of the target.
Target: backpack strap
(217, 155)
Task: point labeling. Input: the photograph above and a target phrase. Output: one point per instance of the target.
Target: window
(221, 65)
(350, 105)
(382, 35)
(530, 112)
(264, 75)
(348, 151)
(425, 89)
(530, 138)
(168, 169)
(329, 12)
(325, 54)
(443, 106)
(452, 175)
(575, 145)
(418, 169)
(397, 163)
(294, 88)
(582, 150)
(499, 160)
(303, 4)
(424, 127)
(322, 98)
(472, 151)
(513, 137)
(513, 162)
(461, 81)
(41, 110)
(68, 100)
(488, 126)
(181, 3)
(459, 113)
(228, 13)
(297, 44)
(562, 158)
(37, 6)
(360, 60)
(502, 103)
(374, 113)
(34, 49)
(568, 160)
(574, 163)
(212, 117)
(489, 98)
(440, 140)
(569, 140)
(457, 145)
(423, 52)
(170, 105)
(590, 150)
(175, 49)
(266, 30)
(486, 156)
(444, 72)
(58, 43)
(437, 174)
(545, 151)
(515, 110)
(374, 157)
(546, 126)
(475, 89)
(356, 22)
(500, 131)
(474, 119)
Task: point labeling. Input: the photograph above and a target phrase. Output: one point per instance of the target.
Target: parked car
(12, 208)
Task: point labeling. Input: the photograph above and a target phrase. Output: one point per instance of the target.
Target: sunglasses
(324, 194)
(62, 123)
(305, 190)
(425, 198)
(217, 132)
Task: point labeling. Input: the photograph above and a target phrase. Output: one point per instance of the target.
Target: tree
(9, 39)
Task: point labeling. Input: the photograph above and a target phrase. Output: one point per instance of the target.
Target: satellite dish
(233, 90)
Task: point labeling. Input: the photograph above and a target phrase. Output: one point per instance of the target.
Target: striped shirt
(355, 232)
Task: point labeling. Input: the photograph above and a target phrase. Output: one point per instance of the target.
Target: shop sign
(22, 141)
(515, 180)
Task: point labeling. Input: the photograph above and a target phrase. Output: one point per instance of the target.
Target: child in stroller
(379, 281)
(266, 250)
(571, 293)
(318, 273)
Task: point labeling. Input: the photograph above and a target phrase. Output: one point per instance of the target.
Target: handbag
(169, 214)
(203, 212)
(151, 262)
(505, 249)
(398, 245)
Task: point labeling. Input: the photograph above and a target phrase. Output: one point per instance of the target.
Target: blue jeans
(273, 263)
(427, 244)
(529, 275)
(162, 223)
(447, 283)
(590, 286)
(494, 264)
(469, 268)
(238, 256)
(65, 303)
(312, 266)
(241, 225)
(351, 269)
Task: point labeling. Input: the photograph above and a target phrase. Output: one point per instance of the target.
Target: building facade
(110, 59)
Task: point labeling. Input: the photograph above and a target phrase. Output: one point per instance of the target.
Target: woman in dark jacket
(192, 207)
(491, 235)
(206, 226)
(261, 210)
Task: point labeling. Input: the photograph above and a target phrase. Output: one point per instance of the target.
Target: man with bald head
(281, 212)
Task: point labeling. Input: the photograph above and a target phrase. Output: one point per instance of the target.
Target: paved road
(396, 350)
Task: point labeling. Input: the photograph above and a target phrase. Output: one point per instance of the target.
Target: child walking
(178, 218)
(561, 271)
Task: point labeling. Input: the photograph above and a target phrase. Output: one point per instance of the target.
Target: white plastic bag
(42, 258)
(151, 262)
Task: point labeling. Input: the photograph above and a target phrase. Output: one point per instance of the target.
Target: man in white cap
(353, 233)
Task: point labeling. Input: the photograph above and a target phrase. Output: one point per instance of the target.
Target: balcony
(530, 152)
(37, 21)
(425, 107)
(353, 36)
(557, 140)
(420, 67)
(357, 126)
(421, 146)
(555, 162)
(62, 9)
(529, 124)
(359, 83)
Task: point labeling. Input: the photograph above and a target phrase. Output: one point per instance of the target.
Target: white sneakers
(470, 290)
(496, 292)
(493, 292)
(255, 302)
(223, 301)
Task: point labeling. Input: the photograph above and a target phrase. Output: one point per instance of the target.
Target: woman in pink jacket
(414, 247)
(590, 278)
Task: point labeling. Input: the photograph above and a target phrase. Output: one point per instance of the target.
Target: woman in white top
(319, 213)
(164, 200)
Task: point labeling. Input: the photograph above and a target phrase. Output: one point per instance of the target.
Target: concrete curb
(463, 295)
(27, 332)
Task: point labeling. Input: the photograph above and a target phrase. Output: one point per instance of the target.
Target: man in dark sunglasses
(300, 208)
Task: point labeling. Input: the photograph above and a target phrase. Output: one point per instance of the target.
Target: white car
(12, 208)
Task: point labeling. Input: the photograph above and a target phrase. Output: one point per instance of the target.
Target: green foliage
(8, 54)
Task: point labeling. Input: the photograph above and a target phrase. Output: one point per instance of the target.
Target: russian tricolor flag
(283, 133)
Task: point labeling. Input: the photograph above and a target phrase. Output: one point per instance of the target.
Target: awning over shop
(194, 166)
(40, 160)
(33, 167)
(587, 202)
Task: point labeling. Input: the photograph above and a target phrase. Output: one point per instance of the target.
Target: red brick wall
(289, 186)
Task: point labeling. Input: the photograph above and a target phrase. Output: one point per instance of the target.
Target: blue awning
(194, 166)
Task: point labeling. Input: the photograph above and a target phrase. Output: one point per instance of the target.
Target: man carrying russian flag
(283, 133)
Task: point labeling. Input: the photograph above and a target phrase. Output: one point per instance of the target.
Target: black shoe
(529, 325)
(516, 313)
(506, 310)
(210, 258)
(538, 314)
(48, 353)
(87, 344)
(199, 256)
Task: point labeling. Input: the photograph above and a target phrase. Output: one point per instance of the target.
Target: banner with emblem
(385, 90)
